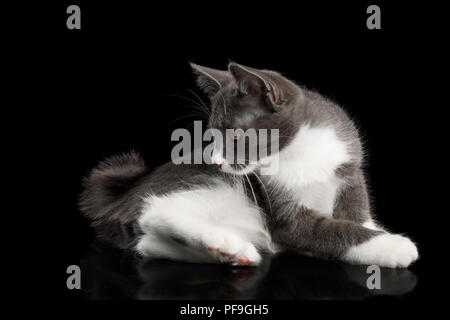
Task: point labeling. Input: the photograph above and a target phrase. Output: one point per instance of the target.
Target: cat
(316, 203)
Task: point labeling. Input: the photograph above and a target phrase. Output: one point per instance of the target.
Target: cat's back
(172, 177)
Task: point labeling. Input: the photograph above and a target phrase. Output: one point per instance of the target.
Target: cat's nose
(219, 165)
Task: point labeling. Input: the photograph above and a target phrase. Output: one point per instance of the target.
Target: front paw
(385, 250)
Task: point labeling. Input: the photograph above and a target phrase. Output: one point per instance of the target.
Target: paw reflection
(113, 274)
(174, 280)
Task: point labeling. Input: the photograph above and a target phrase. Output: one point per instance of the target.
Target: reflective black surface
(114, 274)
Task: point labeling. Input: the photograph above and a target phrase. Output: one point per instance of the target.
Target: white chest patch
(307, 167)
(319, 196)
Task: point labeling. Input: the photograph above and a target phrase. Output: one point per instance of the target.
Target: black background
(112, 86)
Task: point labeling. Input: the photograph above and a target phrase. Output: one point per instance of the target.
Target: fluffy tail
(105, 194)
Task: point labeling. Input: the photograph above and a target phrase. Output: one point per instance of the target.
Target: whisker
(184, 117)
(251, 187)
(201, 101)
(265, 190)
(192, 123)
(224, 104)
(195, 103)
(206, 115)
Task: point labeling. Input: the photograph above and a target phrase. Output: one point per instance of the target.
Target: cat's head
(248, 102)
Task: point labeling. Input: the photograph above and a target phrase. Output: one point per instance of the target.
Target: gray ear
(257, 81)
(210, 80)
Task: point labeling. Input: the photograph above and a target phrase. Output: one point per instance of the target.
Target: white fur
(218, 159)
(369, 224)
(385, 250)
(307, 167)
(319, 196)
(219, 216)
(161, 246)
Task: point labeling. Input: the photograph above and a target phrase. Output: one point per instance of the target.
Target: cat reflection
(110, 273)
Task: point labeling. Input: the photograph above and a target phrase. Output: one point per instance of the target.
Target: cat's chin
(239, 171)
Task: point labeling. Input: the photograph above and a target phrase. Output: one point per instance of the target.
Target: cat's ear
(257, 81)
(210, 80)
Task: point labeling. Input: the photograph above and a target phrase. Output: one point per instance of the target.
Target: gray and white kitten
(316, 203)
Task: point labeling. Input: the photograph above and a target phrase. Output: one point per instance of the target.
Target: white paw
(385, 250)
(231, 249)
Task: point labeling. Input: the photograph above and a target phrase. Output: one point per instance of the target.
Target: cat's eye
(240, 94)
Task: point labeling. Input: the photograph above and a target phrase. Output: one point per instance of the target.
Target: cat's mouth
(236, 169)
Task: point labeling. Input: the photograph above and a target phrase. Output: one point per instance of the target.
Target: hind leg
(156, 246)
(208, 247)
(204, 225)
(229, 248)
(199, 245)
